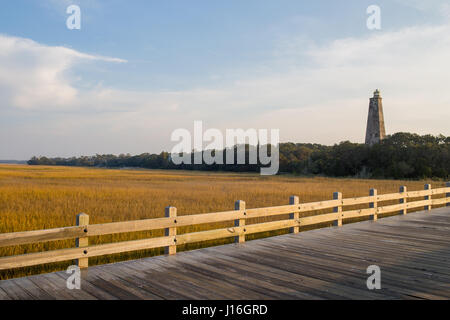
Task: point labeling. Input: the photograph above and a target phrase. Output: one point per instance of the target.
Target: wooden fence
(83, 230)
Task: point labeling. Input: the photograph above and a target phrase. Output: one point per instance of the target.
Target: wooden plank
(32, 289)
(435, 227)
(82, 242)
(304, 207)
(391, 208)
(50, 288)
(234, 289)
(19, 238)
(373, 205)
(3, 295)
(352, 251)
(333, 262)
(390, 196)
(152, 279)
(165, 281)
(203, 287)
(122, 277)
(436, 218)
(306, 221)
(240, 206)
(440, 190)
(365, 251)
(434, 239)
(294, 200)
(271, 226)
(271, 211)
(417, 204)
(360, 200)
(99, 278)
(231, 290)
(437, 202)
(208, 218)
(428, 197)
(171, 212)
(417, 194)
(404, 200)
(290, 285)
(77, 253)
(236, 231)
(14, 291)
(348, 286)
(358, 213)
(308, 282)
(246, 279)
(399, 222)
(338, 209)
(399, 245)
(448, 193)
(130, 226)
(61, 288)
(437, 224)
(209, 235)
(440, 237)
(351, 285)
(87, 287)
(162, 223)
(351, 247)
(390, 244)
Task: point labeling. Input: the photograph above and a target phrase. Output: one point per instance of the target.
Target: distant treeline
(399, 156)
(13, 161)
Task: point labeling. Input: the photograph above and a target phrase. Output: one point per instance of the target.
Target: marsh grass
(41, 197)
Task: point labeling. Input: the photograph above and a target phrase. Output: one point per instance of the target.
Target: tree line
(399, 156)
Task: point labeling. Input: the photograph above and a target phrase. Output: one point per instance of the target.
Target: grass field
(34, 198)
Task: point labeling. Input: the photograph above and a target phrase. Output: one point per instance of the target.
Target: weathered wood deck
(413, 252)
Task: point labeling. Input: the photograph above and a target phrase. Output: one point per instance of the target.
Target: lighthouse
(375, 131)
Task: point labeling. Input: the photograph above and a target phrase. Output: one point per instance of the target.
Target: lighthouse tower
(375, 123)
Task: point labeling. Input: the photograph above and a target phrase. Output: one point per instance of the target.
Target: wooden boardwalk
(413, 252)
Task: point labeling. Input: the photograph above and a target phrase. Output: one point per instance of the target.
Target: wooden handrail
(171, 222)
(31, 259)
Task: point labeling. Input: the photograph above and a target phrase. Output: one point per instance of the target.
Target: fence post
(294, 200)
(239, 205)
(374, 193)
(338, 196)
(171, 212)
(448, 194)
(83, 221)
(428, 187)
(404, 190)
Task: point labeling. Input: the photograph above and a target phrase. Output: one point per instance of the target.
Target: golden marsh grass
(33, 198)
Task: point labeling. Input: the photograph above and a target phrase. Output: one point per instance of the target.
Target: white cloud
(33, 75)
(445, 10)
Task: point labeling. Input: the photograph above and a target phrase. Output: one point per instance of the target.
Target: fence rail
(83, 230)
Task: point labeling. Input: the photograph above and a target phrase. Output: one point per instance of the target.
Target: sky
(138, 70)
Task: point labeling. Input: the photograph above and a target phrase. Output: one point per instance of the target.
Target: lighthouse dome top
(376, 94)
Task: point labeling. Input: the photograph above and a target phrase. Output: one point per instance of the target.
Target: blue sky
(137, 70)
